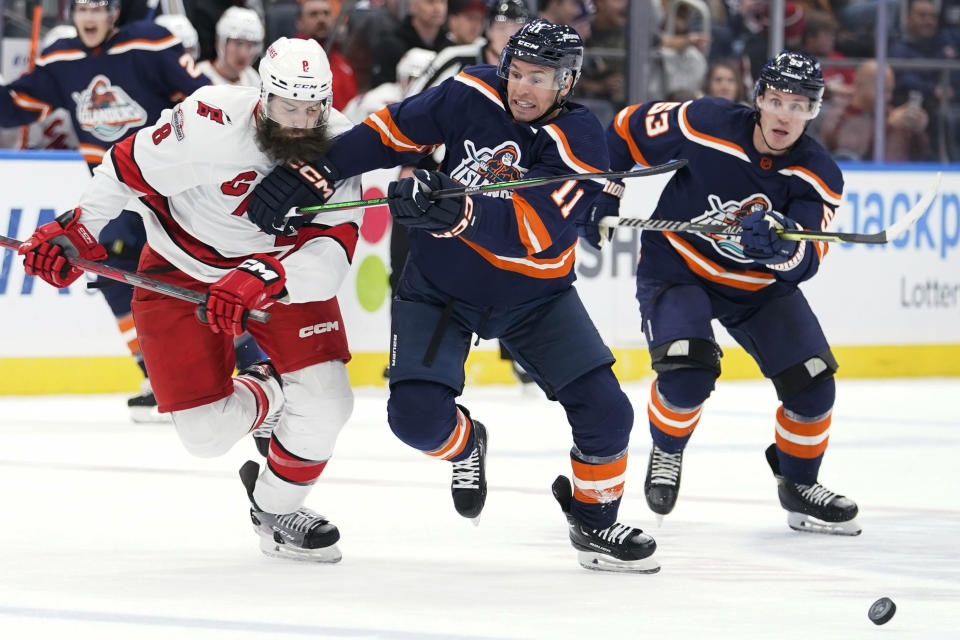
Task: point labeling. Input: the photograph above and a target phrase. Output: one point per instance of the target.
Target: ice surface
(111, 530)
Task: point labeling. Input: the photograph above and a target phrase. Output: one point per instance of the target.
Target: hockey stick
(508, 185)
(884, 236)
(135, 279)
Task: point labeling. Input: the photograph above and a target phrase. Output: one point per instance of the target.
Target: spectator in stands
(204, 15)
(423, 28)
(725, 80)
(239, 43)
(559, 11)
(819, 40)
(368, 27)
(680, 59)
(756, 46)
(604, 76)
(315, 20)
(847, 126)
(465, 21)
(583, 21)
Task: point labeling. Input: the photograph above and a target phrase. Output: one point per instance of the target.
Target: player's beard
(282, 147)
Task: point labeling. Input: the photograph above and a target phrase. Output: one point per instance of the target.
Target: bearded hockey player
(756, 167)
(194, 171)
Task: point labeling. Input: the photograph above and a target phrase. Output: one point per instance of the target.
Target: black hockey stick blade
(509, 185)
(733, 230)
(136, 280)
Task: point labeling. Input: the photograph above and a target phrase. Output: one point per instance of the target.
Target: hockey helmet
(412, 65)
(506, 11)
(540, 42)
(180, 26)
(240, 24)
(111, 5)
(296, 69)
(792, 72)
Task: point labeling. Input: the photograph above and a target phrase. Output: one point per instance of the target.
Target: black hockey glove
(606, 204)
(760, 240)
(287, 187)
(411, 206)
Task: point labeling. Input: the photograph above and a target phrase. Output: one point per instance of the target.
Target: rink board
(889, 311)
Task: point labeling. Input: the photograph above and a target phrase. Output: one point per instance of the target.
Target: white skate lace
(665, 467)
(616, 533)
(816, 493)
(466, 473)
(300, 520)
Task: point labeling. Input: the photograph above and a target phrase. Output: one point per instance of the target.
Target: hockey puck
(881, 611)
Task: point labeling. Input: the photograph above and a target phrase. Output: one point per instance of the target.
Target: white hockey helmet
(240, 24)
(296, 69)
(412, 65)
(181, 27)
(59, 32)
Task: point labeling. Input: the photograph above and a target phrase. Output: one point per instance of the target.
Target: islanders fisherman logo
(106, 110)
(489, 166)
(730, 212)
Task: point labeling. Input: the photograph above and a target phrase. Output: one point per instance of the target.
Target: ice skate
(143, 406)
(300, 535)
(662, 484)
(619, 547)
(263, 371)
(814, 508)
(469, 483)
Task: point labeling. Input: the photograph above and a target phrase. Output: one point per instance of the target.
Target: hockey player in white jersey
(239, 42)
(193, 172)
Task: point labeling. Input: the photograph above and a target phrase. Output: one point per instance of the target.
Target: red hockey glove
(45, 253)
(253, 285)
(410, 205)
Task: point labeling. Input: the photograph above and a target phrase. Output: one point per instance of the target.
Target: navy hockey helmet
(111, 5)
(506, 11)
(540, 42)
(796, 73)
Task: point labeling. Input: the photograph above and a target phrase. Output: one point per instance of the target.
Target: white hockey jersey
(193, 173)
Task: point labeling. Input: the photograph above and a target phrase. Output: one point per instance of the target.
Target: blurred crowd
(378, 48)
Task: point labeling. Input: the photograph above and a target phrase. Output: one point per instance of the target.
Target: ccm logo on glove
(314, 177)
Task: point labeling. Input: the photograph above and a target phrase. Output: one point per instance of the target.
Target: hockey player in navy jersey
(756, 167)
(499, 267)
(193, 170)
(113, 81)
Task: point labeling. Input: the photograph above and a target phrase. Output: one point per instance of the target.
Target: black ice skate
(814, 508)
(300, 535)
(263, 371)
(619, 547)
(469, 483)
(662, 484)
(143, 406)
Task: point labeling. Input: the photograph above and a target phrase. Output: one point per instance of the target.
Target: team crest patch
(106, 110)
(489, 166)
(730, 212)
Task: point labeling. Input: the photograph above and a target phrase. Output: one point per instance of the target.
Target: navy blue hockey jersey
(110, 91)
(725, 178)
(524, 241)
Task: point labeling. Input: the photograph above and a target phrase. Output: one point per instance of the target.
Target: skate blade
(809, 524)
(148, 415)
(326, 555)
(600, 562)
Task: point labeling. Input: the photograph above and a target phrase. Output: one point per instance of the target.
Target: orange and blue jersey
(524, 243)
(110, 91)
(725, 179)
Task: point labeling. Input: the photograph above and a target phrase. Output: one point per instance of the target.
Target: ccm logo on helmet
(305, 86)
(317, 329)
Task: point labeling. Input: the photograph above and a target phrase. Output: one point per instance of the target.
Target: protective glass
(794, 107)
(297, 114)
